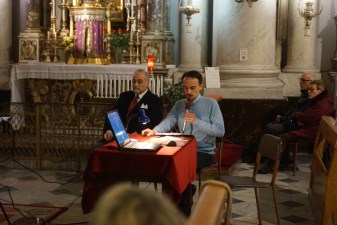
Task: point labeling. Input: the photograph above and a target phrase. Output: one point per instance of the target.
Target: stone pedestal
(30, 47)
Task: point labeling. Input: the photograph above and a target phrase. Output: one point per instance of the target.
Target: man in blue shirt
(196, 115)
(203, 119)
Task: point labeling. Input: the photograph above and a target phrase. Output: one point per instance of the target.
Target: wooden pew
(323, 180)
(215, 198)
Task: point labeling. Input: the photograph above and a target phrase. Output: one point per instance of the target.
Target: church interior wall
(241, 115)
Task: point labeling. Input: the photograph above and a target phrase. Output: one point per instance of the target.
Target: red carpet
(30, 212)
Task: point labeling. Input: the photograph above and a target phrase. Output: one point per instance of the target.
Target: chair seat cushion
(238, 181)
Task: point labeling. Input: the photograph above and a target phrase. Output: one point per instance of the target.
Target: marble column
(6, 43)
(194, 38)
(301, 49)
(244, 42)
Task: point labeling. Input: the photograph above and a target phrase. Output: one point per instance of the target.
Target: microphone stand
(7, 128)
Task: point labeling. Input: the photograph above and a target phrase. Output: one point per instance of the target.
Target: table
(62, 71)
(175, 167)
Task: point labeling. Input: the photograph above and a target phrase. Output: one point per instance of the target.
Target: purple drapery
(89, 39)
(80, 39)
(97, 32)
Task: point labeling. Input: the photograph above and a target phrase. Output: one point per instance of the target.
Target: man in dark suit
(144, 99)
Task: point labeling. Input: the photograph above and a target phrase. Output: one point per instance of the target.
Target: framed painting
(117, 14)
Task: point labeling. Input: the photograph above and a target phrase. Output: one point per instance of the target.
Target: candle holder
(46, 51)
(128, 6)
(188, 10)
(308, 14)
(150, 64)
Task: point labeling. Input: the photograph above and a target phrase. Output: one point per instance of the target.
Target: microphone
(187, 108)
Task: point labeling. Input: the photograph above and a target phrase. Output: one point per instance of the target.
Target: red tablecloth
(174, 166)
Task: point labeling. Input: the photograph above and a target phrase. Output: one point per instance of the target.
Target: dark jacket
(150, 102)
(321, 105)
(301, 103)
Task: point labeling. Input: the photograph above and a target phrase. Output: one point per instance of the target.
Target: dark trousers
(203, 160)
(287, 138)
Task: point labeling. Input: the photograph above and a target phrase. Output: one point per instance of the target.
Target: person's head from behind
(124, 204)
(315, 88)
(140, 81)
(192, 84)
(305, 80)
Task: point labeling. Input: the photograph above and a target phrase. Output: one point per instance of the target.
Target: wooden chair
(214, 169)
(269, 147)
(298, 144)
(215, 198)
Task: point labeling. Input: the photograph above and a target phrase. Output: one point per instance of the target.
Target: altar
(64, 83)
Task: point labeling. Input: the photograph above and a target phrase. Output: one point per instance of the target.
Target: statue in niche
(33, 14)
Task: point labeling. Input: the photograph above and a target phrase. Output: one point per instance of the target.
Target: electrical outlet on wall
(243, 54)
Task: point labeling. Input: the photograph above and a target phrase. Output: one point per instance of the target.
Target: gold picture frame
(118, 15)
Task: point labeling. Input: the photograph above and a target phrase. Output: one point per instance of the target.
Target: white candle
(97, 87)
(74, 2)
(131, 3)
(109, 26)
(48, 35)
(54, 7)
(64, 10)
(71, 23)
(137, 36)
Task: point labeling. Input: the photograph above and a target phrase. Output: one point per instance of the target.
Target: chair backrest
(270, 147)
(215, 197)
(218, 152)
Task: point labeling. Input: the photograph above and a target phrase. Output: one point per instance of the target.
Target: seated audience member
(143, 98)
(306, 122)
(124, 204)
(283, 123)
(195, 115)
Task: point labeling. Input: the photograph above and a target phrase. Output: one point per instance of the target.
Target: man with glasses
(284, 123)
(307, 120)
(129, 103)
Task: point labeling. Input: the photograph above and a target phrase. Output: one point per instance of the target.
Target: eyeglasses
(301, 80)
(312, 89)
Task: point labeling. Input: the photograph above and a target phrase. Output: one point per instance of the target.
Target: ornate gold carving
(29, 49)
(152, 49)
(60, 92)
(82, 85)
(39, 88)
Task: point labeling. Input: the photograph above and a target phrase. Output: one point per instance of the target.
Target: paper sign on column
(212, 77)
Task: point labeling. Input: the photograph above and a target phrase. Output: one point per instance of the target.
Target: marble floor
(63, 189)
